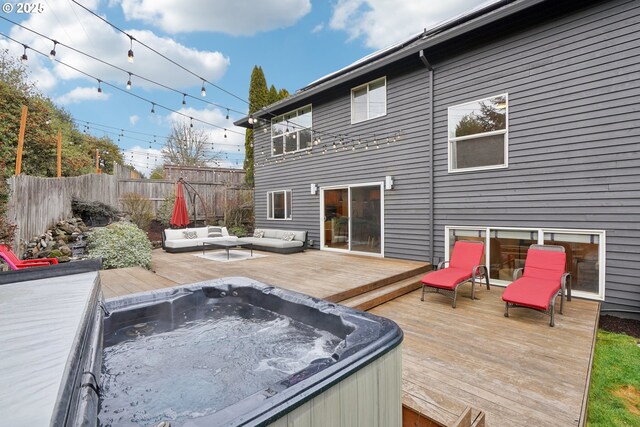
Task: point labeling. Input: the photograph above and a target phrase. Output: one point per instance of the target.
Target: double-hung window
(478, 134)
(291, 132)
(369, 100)
(279, 204)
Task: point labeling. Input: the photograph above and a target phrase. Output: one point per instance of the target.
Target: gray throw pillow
(258, 233)
(190, 234)
(214, 234)
(288, 237)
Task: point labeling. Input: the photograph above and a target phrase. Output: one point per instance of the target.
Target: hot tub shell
(359, 386)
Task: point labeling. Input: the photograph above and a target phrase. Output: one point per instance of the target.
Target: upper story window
(291, 132)
(478, 134)
(369, 100)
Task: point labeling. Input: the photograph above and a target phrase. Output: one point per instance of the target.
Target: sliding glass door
(352, 218)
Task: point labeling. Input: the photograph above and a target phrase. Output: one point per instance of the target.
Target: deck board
(518, 371)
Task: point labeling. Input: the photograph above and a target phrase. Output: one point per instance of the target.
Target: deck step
(375, 297)
(340, 297)
(422, 407)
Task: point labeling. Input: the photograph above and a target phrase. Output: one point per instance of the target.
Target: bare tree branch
(188, 146)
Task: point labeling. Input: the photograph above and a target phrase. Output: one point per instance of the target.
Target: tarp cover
(39, 328)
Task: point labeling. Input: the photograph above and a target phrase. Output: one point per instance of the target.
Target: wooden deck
(326, 275)
(518, 371)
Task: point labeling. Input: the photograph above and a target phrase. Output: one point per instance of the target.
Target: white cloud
(81, 94)
(318, 28)
(134, 119)
(69, 24)
(143, 159)
(381, 23)
(227, 16)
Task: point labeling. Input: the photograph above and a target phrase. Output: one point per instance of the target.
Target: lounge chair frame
(563, 292)
(477, 273)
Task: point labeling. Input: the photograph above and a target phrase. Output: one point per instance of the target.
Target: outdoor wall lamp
(388, 182)
(314, 189)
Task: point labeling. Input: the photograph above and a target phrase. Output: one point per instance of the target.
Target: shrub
(139, 208)
(238, 231)
(94, 213)
(7, 228)
(120, 245)
(166, 209)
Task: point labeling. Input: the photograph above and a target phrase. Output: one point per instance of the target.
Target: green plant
(166, 209)
(615, 381)
(91, 211)
(139, 208)
(120, 245)
(7, 228)
(238, 231)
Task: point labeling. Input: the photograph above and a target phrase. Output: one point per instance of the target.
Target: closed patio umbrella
(180, 217)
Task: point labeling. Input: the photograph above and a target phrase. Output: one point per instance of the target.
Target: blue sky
(295, 42)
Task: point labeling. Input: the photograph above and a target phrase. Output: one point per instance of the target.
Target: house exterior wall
(406, 214)
(574, 139)
(574, 142)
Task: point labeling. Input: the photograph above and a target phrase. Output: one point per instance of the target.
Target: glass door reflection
(336, 218)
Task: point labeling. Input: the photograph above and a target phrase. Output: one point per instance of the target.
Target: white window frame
(541, 232)
(294, 130)
(353, 121)
(287, 208)
(504, 132)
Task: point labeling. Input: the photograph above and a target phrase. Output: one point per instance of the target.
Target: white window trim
(297, 132)
(353, 122)
(541, 231)
(462, 138)
(287, 208)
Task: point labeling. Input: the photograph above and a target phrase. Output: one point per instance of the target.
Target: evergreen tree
(258, 98)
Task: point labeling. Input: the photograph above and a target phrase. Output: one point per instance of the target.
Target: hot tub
(238, 352)
(230, 352)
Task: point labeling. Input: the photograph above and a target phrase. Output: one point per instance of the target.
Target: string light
(227, 114)
(99, 86)
(130, 53)
(184, 99)
(191, 122)
(52, 54)
(24, 57)
(153, 108)
(203, 91)
(129, 82)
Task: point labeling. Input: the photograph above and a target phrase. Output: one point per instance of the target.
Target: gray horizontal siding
(574, 143)
(406, 215)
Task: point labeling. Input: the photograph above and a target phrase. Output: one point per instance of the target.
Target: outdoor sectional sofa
(176, 240)
(275, 240)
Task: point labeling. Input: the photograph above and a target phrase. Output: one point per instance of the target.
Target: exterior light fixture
(314, 189)
(388, 183)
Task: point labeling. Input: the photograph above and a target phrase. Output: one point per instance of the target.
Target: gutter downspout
(431, 222)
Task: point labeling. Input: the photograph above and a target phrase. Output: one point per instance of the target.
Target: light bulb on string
(227, 114)
(184, 99)
(225, 133)
(99, 86)
(52, 54)
(203, 91)
(191, 122)
(129, 82)
(153, 108)
(24, 57)
(130, 53)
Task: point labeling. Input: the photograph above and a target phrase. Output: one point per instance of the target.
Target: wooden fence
(35, 203)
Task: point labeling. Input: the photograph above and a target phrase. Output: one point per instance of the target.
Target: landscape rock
(65, 240)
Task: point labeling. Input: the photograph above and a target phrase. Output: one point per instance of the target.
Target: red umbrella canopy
(180, 217)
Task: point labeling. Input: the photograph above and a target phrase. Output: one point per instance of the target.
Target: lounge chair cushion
(531, 292)
(545, 265)
(447, 278)
(466, 255)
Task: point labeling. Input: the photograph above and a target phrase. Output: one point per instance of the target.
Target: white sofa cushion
(271, 242)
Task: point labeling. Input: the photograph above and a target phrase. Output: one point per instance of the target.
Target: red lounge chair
(17, 264)
(466, 264)
(544, 279)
